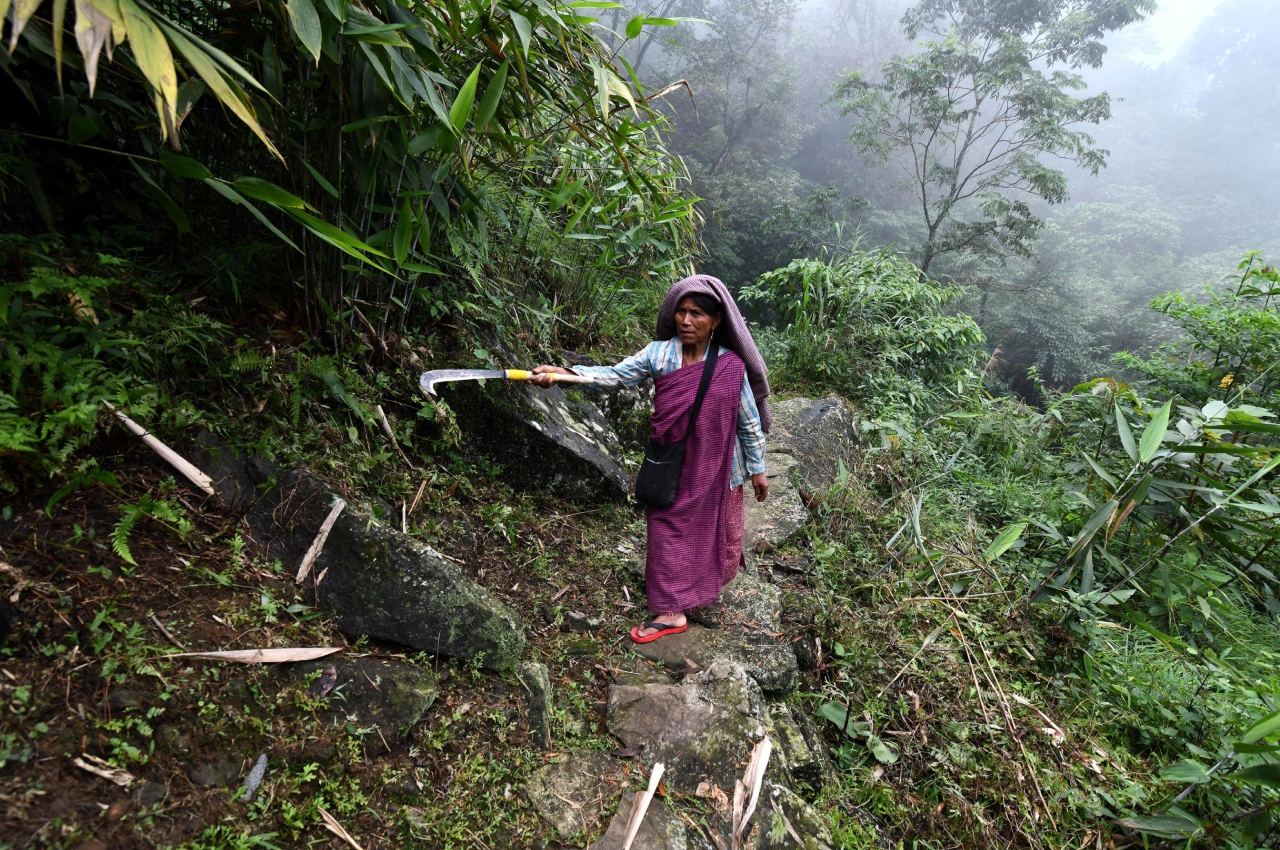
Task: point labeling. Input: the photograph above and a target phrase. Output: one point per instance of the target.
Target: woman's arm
(628, 373)
(751, 436)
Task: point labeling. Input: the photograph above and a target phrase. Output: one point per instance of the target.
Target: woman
(695, 546)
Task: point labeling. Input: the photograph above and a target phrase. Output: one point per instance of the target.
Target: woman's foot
(659, 625)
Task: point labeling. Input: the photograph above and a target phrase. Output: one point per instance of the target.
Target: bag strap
(707, 371)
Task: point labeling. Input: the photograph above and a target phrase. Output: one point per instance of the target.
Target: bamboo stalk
(194, 475)
(641, 806)
(317, 545)
(752, 780)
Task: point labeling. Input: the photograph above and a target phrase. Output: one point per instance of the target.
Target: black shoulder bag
(658, 483)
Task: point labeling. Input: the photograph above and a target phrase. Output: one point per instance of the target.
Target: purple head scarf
(732, 333)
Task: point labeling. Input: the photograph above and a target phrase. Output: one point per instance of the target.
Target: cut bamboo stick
(752, 780)
(641, 806)
(389, 434)
(317, 545)
(176, 460)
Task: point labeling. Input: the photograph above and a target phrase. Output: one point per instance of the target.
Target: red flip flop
(664, 630)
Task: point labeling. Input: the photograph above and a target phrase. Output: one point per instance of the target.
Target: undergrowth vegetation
(1101, 572)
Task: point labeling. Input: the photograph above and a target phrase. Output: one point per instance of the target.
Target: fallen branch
(176, 460)
(640, 807)
(317, 545)
(262, 656)
(103, 769)
(331, 824)
(168, 636)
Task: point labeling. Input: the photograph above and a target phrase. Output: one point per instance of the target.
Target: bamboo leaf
(1186, 771)
(184, 166)
(1164, 825)
(59, 25)
(263, 190)
(524, 30)
(1100, 518)
(155, 60)
(461, 109)
(1007, 538)
(1126, 435)
(225, 89)
(492, 96)
(1262, 775)
(236, 198)
(22, 12)
(634, 26)
(1153, 434)
(93, 28)
(1262, 728)
(174, 211)
(1098, 470)
(306, 25)
(324, 184)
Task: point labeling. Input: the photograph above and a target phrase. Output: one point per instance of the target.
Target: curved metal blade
(429, 380)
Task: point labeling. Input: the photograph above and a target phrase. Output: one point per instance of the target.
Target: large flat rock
(383, 583)
(572, 794)
(545, 442)
(771, 664)
(702, 730)
(660, 829)
(778, 518)
(819, 434)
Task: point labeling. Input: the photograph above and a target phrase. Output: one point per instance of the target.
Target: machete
(429, 380)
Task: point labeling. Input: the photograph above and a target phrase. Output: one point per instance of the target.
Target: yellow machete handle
(556, 378)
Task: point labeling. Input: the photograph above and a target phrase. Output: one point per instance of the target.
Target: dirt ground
(85, 679)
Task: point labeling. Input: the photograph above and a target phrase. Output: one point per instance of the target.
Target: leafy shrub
(1230, 342)
(58, 361)
(867, 324)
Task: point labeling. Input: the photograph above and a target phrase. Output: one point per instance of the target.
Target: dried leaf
(328, 679)
(262, 656)
(331, 824)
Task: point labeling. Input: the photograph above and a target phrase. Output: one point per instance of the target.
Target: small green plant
(163, 511)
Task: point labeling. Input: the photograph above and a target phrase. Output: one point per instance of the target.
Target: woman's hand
(760, 484)
(542, 375)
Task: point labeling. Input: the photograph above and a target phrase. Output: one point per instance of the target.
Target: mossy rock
(544, 442)
(388, 694)
(383, 583)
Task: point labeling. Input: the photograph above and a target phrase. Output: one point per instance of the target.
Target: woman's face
(694, 325)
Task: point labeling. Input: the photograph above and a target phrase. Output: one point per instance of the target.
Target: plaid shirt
(661, 358)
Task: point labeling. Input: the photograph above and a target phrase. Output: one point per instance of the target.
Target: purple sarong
(685, 567)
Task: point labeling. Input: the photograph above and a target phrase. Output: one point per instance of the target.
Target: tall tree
(991, 94)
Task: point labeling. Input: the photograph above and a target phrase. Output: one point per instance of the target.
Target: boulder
(798, 817)
(383, 583)
(570, 794)
(388, 694)
(776, 520)
(746, 628)
(818, 434)
(803, 452)
(702, 730)
(236, 476)
(544, 442)
(660, 829)
(537, 683)
(803, 756)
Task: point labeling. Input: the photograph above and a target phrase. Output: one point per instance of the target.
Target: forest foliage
(1055, 395)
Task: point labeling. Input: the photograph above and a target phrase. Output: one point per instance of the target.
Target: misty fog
(1189, 165)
